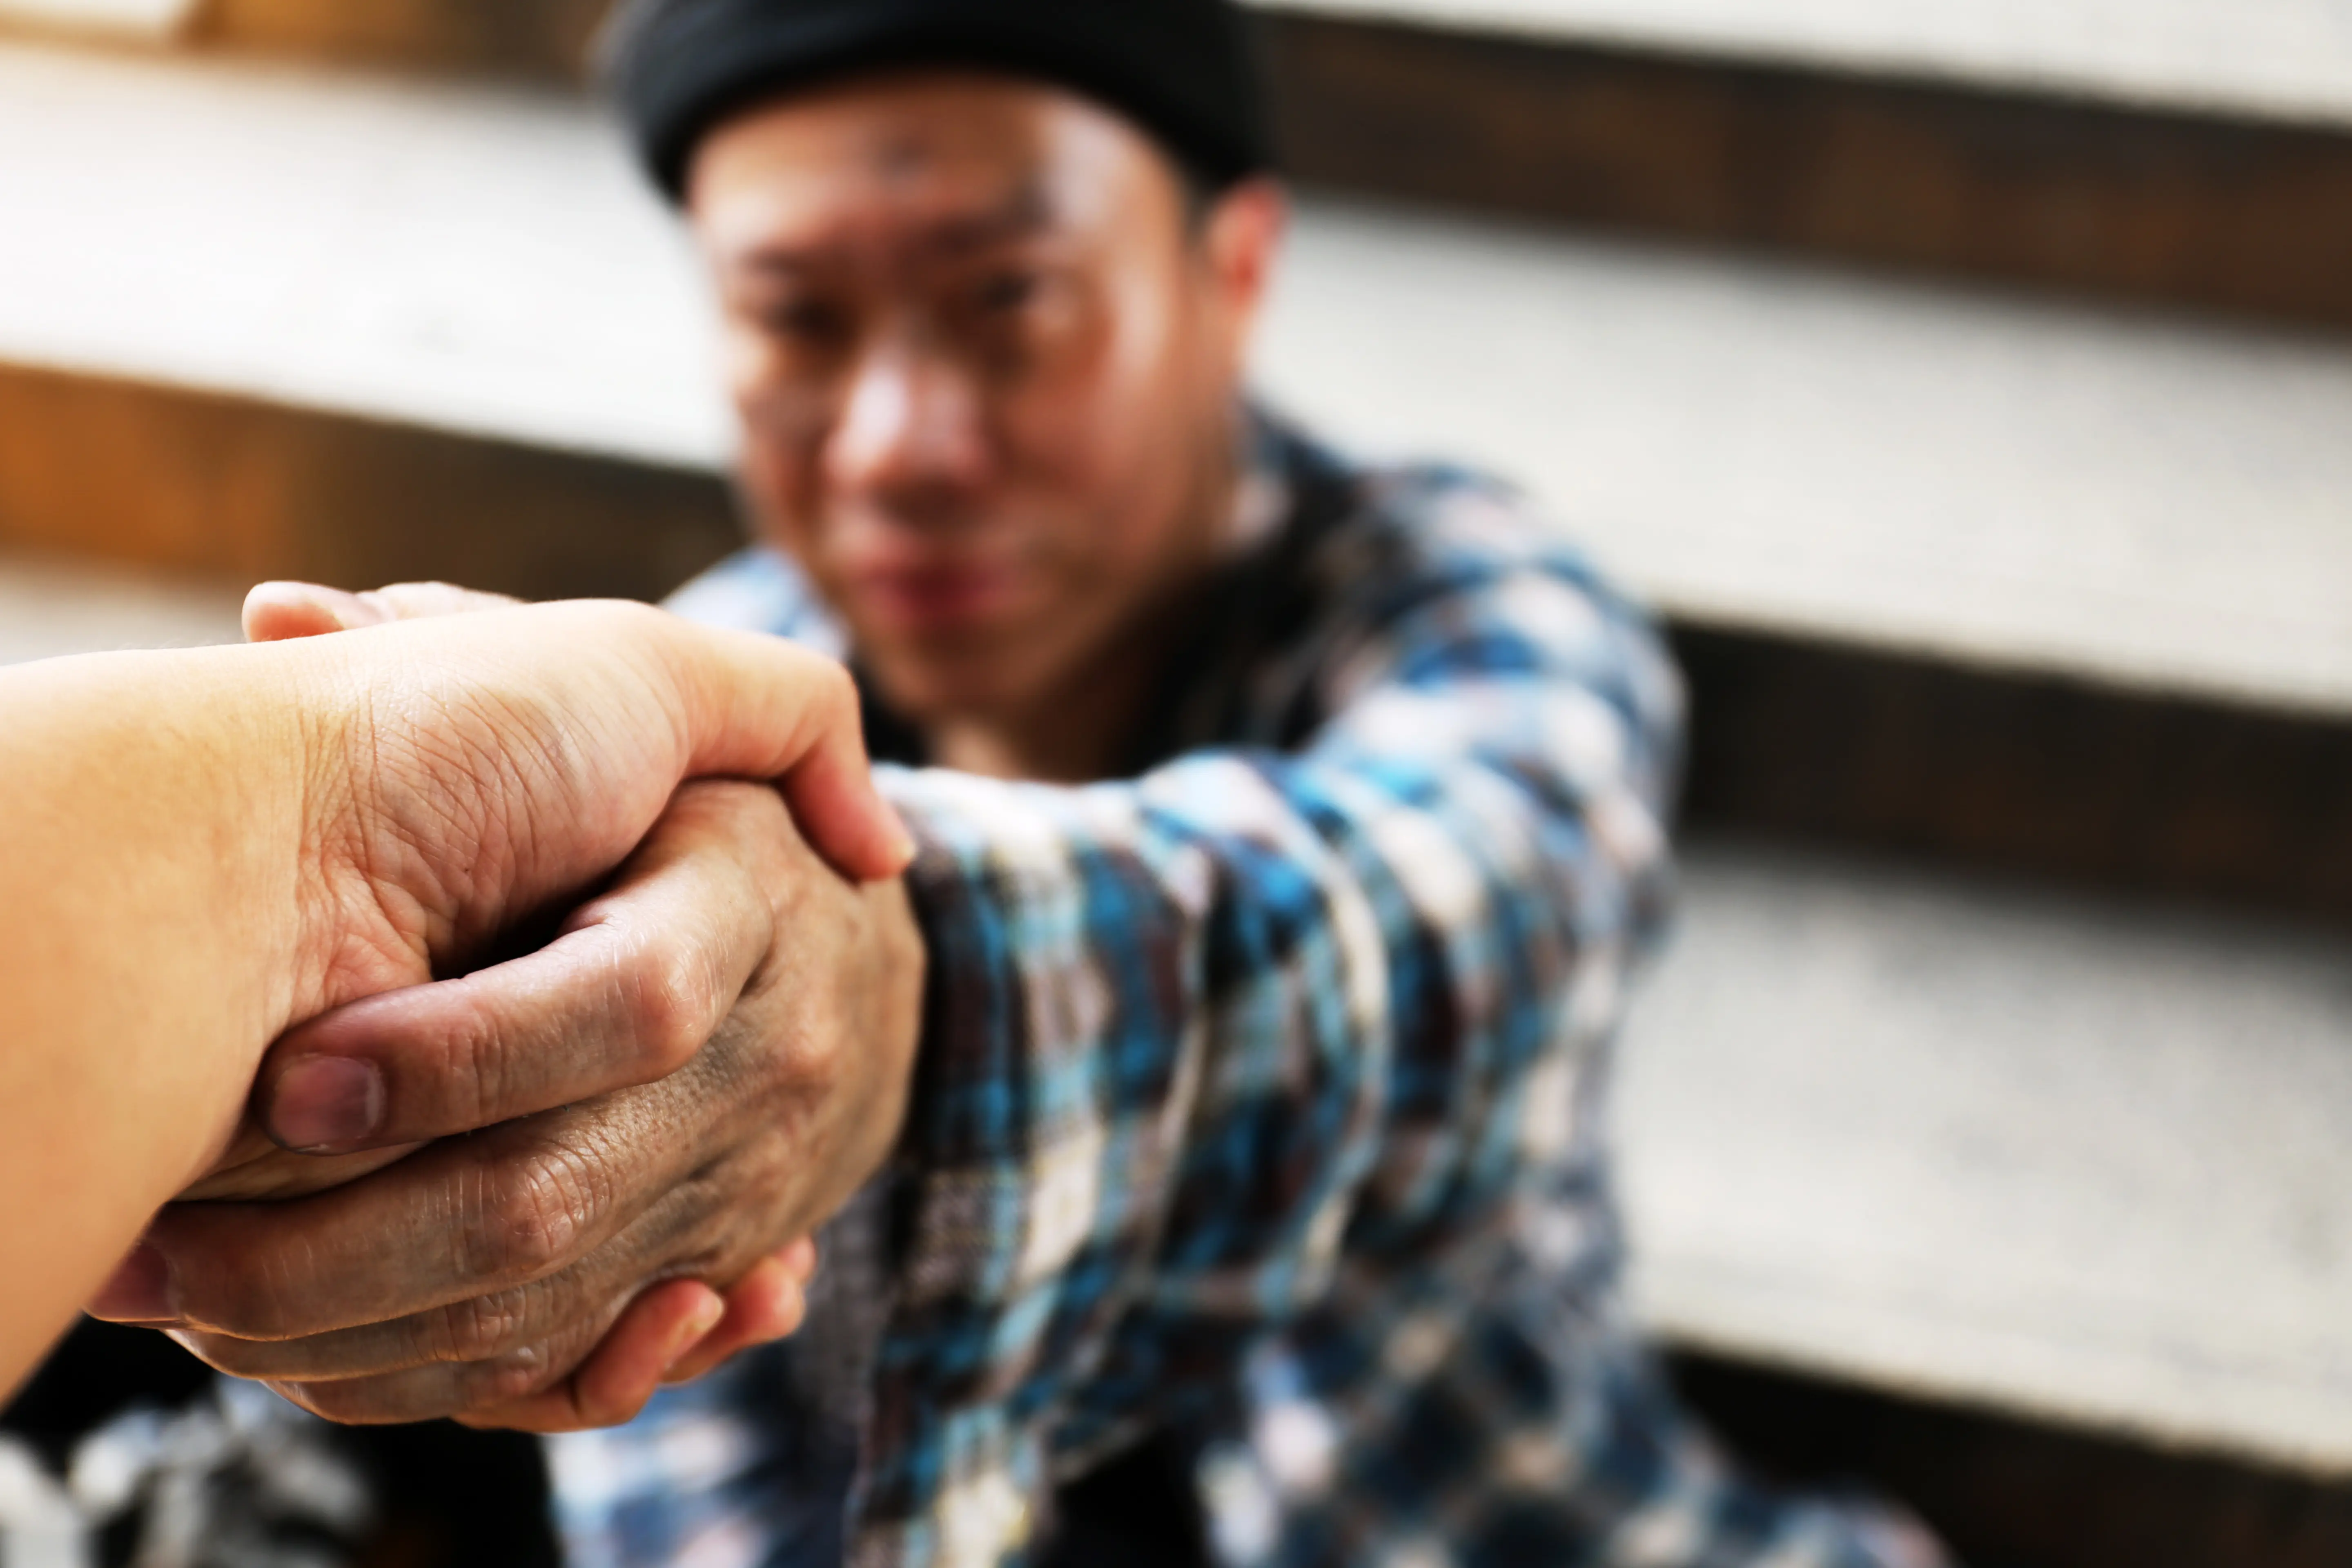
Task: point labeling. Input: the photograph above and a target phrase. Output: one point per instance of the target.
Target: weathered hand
(736, 1138)
(766, 1009)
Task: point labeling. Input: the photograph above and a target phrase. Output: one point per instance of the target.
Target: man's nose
(912, 424)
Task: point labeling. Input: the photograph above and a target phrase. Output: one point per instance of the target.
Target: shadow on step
(2009, 1494)
(2130, 792)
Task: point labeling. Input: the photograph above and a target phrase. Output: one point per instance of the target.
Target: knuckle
(476, 1078)
(478, 1330)
(758, 826)
(533, 1217)
(671, 998)
(254, 1304)
(518, 1374)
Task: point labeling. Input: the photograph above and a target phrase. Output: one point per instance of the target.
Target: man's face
(985, 365)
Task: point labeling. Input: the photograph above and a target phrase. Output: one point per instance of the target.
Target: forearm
(1199, 1042)
(152, 806)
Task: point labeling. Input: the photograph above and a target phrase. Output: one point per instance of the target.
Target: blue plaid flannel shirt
(1259, 1096)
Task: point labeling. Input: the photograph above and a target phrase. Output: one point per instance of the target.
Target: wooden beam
(240, 489)
(1816, 742)
(544, 39)
(2163, 207)
(2004, 1491)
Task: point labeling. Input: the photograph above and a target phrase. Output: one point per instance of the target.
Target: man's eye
(811, 323)
(1008, 293)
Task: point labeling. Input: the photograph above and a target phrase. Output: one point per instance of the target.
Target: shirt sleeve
(1196, 1041)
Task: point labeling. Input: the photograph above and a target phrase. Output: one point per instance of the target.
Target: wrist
(326, 879)
(286, 746)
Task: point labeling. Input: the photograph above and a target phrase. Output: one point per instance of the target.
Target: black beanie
(1182, 70)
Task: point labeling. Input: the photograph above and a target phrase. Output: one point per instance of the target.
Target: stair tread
(2277, 60)
(1984, 1141)
(2281, 60)
(50, 608)
(2121, 498)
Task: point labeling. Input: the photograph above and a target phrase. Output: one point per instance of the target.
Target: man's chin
(940, 689)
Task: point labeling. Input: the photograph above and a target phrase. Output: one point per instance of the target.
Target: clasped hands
(525, 1195)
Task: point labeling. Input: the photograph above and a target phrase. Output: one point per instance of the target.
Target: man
(1288, 829)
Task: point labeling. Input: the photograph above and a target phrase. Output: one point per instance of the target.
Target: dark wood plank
(2163, 207)
(2041, 775)
(2009, 1494)
(238, 488)
(544, 39)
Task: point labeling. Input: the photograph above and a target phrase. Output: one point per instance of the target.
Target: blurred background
(1968, 381)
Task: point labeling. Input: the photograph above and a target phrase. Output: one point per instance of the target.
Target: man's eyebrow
(957, 234)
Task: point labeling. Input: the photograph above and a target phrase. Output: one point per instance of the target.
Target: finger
(683, 1232)
(277, 612)
(762, 707)
(661, 1326)
(599, 1372)
(462, 1219)
(282, 612)
(768, 1304)
(624, 1372)
(627, 995)
(489, 1328)
(446, 1389)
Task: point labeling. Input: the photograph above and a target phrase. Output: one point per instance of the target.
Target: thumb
(280, 612)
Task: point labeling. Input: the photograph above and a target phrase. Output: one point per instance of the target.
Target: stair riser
(231, 488)
(2163, 208)
(2003, 1491)
(2166, 208)
(542, 38)
(2048, 777)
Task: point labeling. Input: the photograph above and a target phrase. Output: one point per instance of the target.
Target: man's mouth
(935, 597)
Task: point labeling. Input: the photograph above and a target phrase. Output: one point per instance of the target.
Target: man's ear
(1241, 241)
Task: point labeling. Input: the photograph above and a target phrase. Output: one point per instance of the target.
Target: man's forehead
(943, 163)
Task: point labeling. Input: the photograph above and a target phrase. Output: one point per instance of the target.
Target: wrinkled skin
(720, 1090)
(217, 843)
(496, 778)
(985, 362)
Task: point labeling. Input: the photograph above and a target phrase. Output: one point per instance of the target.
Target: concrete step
(1994, 1145)
(2052, 1153)
(2281, 60)
(2118, 499)
(2277, 60)
(2183, 152)
(1924, 172)
(53, 605)
(539, 38)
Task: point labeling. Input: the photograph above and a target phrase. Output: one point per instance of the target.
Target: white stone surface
(2002, 1146)
(2123, 499)
(473, 259)
(2126, 499)
(1985, 1143)
(146, 19)
(2285, 59)
(49, 607)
